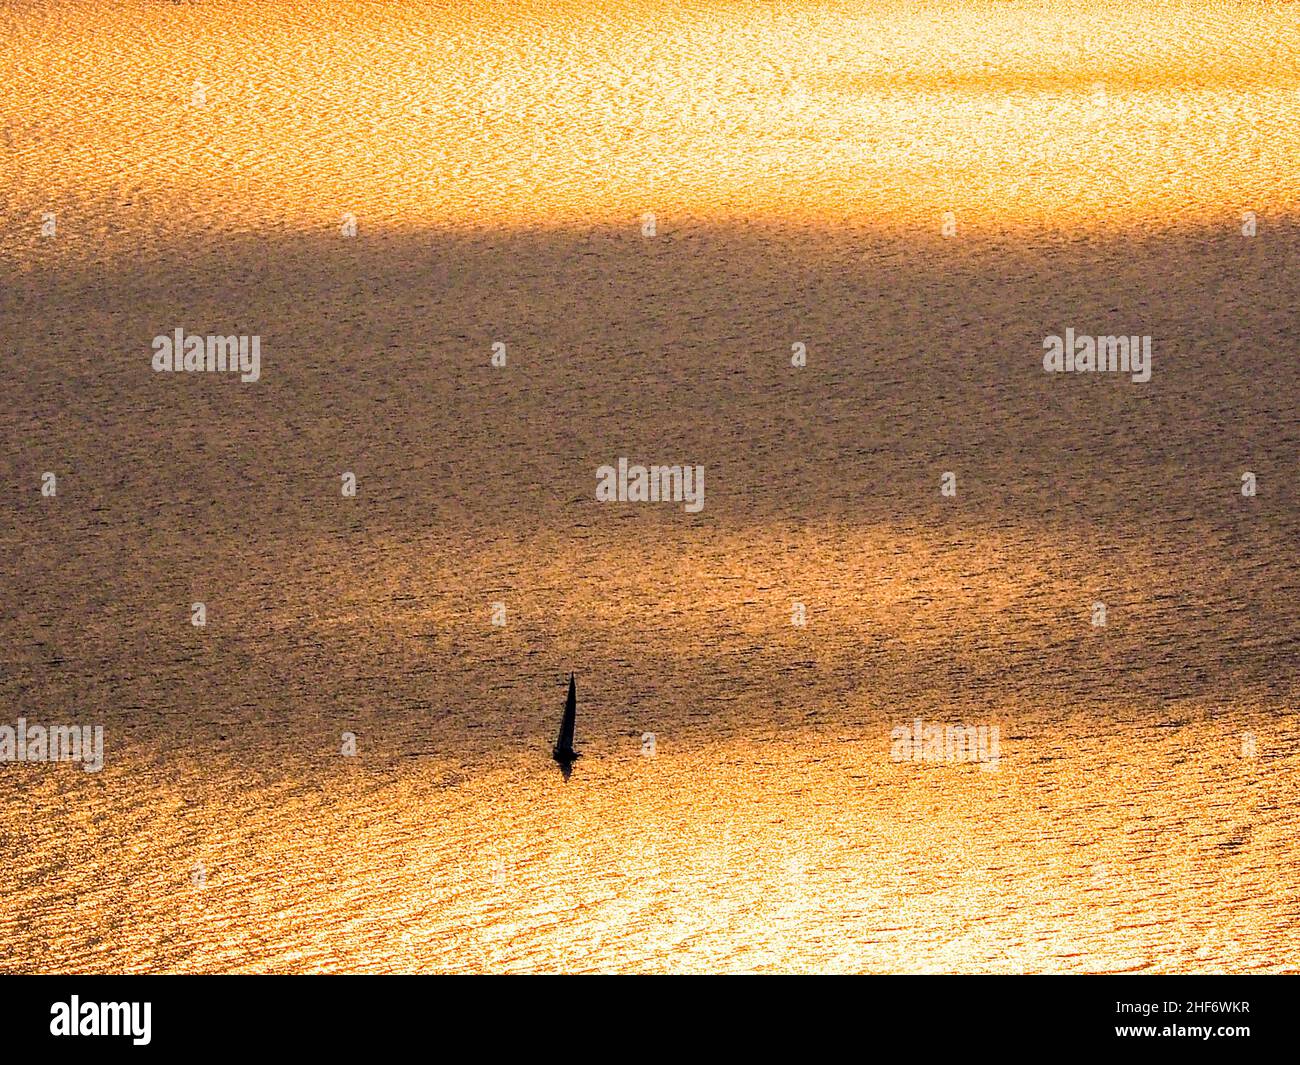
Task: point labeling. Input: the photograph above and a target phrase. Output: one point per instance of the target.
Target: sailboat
(564, 752)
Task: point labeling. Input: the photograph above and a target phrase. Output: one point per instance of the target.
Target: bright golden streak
(473, 114)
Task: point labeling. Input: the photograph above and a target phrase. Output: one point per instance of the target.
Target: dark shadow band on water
(924, 356)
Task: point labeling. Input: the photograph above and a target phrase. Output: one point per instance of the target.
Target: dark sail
(564, 751)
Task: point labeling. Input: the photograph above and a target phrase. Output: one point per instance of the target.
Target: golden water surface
(500, 162)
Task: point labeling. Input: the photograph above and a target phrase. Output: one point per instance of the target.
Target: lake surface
(740, 805)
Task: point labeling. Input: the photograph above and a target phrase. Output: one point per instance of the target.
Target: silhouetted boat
(564, 752)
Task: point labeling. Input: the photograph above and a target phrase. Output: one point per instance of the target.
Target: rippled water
(499, 161)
